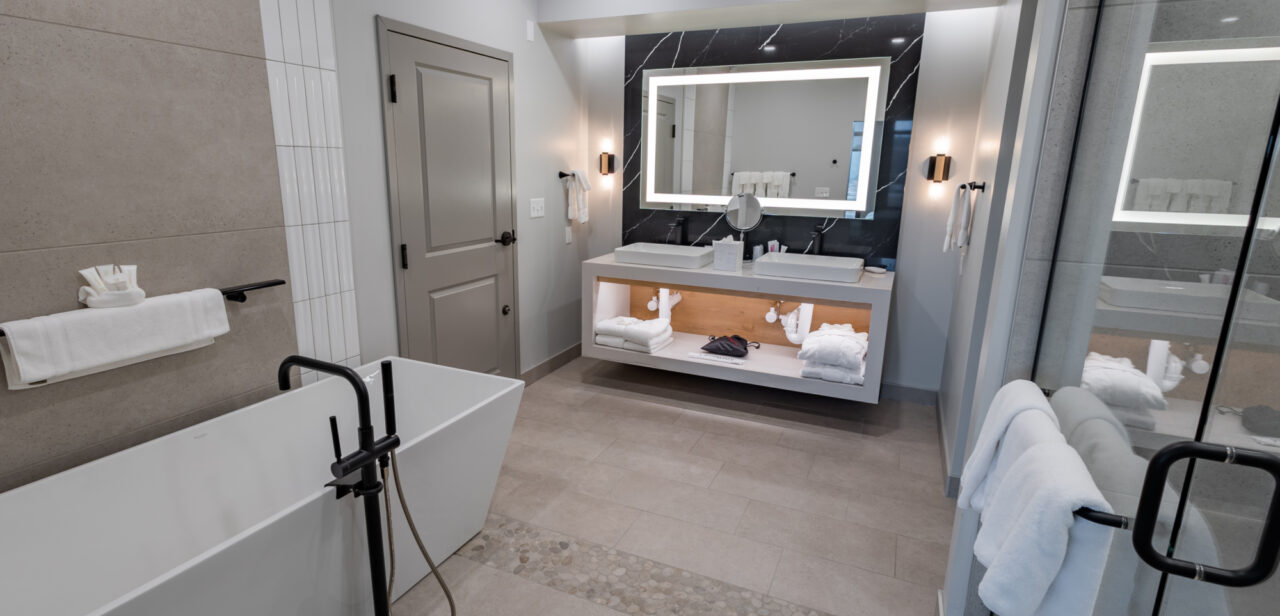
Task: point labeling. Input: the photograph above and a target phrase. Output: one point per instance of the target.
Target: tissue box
(728, 255)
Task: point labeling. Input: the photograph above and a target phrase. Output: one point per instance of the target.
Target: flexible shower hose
(404, 506)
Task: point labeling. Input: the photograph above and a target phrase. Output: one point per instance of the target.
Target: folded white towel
(1117, 382)
(977, 482)
(739, 183)
(621, 343)
(837, 345)
(71, 344)
(633, 329)
(1040, 559)
(835, 374)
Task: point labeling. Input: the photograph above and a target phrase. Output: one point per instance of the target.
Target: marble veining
(874, 238)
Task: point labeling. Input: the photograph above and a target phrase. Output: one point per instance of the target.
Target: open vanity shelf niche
(718, 302)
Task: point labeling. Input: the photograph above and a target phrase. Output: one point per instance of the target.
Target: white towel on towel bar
(1040, 558)
(576, 186)
(81, 342)
(1019, 418)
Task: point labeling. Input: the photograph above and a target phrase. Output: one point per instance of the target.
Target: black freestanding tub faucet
(364, 459)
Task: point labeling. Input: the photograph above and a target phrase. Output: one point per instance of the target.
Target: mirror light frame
(1161, 58)
(870, 122)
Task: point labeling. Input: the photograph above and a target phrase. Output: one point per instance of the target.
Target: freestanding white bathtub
(231, 516)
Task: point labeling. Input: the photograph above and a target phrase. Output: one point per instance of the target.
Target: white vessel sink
(666, 255)
(812, 267)
(1193, 297)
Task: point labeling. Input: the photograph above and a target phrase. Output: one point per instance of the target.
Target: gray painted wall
(137, 135)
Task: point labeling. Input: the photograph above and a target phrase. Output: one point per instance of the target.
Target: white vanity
(716, 302)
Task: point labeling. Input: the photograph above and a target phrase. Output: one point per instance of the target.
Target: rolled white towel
(838, 345)
(835, 374)
(1115, 381)
(615, 326)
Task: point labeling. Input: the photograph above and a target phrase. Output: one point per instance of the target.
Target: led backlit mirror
(803, 137)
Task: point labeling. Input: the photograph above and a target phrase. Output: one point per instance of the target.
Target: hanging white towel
(781, 186)
(1040, 559)
(1178, 198)
(1004, 437)
(71, 344)
(1219, 192)
(959, 202)
(576, 186)
(739, 183)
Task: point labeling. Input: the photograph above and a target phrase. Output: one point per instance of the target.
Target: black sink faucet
(680, 228)
(815, 237)
(364, 459)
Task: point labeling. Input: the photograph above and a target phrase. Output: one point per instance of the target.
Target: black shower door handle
(1144, 522)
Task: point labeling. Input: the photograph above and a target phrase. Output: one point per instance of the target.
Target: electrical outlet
(568, 234)
(537, 207)
(822, 191)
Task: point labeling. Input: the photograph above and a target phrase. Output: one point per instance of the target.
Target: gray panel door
(450, 160)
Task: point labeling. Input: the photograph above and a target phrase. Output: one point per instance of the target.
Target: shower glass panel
(1169, 200)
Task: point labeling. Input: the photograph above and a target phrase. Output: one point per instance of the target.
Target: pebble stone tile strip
(618, 580)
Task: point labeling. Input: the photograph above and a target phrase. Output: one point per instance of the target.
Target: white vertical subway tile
(302, 321)
(338, 175)
(278, 88)
(289, 34)
(332, 118)
(288, 186)
(324, 35)
(315, 106)
(329, 258)
(306, 185)
(346, 278)
(309, 376)
(315, 263)
(296, 246)
(272, 40)
(324, 186)
(307, 30)
(353, 362)
(320, 328)
(337, 337)
(298, 103)
(351, 324)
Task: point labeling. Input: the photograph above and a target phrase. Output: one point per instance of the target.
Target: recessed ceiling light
(897, 40)
(1230, 20)
(770, 48)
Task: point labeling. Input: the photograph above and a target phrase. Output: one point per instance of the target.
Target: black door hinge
(404, 256)
(391, 85)
(673, 131)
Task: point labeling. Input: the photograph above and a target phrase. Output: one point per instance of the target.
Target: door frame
(385, 28)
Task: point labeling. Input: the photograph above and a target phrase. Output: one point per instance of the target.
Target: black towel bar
(237, 293)
(1103, 518)
(793, 173)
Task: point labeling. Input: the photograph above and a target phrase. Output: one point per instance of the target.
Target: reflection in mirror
(743, 212)
(800, 137)
(1192, 107)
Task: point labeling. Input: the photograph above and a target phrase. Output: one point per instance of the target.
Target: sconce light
(608, 163)
(939, 168)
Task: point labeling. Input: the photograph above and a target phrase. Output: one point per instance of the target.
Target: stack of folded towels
(634, 334)
(834, 353)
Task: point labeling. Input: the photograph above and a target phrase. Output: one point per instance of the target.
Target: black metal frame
(237, 293)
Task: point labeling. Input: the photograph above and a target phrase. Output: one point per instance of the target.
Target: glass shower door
(1168, 203)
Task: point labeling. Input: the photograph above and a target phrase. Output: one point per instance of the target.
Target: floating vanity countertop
(871, 288)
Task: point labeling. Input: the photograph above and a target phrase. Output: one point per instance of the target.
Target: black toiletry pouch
(733, 346)
(1262, 420)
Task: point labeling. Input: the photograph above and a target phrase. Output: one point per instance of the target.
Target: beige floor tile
(661, 462)
(883, 481)
(487, 591)
(925, 461)
(723, 556)
(850, 448)
(675, 499)
(901, 517)
(848, 591)
(755, 455)
(816, 535)
(586, 517)
(425, 597)
(522, 496)
(782, 489)
(560, 439)
(921, 562)
(539, 461)
(745, 429)
(628, 405)
(667, 436)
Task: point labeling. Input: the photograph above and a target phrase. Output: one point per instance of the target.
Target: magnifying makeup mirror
(743, 212)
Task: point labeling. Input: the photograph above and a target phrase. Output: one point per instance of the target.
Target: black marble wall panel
(876, 238)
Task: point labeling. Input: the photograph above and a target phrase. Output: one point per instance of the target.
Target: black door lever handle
(506, 239)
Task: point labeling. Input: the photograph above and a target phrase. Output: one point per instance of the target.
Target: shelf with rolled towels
(67, 345)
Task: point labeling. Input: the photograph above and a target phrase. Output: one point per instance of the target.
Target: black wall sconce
(939, 168)
(608, 163)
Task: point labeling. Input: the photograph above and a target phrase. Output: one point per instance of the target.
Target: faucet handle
(333, 431)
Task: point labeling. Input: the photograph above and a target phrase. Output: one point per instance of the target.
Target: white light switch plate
(568, 234)
(822, 191)
(530, 30)
(537, 207)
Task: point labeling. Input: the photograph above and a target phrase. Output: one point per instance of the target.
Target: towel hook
(978, 186)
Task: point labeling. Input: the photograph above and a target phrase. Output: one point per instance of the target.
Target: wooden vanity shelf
(722, 303)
